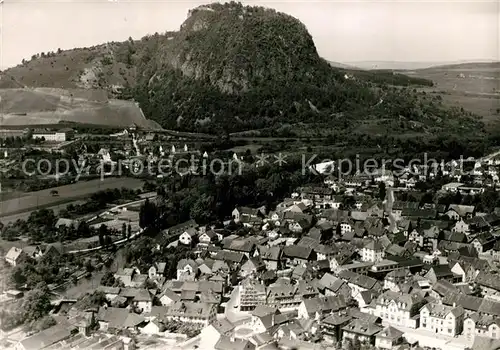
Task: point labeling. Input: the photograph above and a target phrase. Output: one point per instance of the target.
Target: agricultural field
(473, 86)
(67, 193)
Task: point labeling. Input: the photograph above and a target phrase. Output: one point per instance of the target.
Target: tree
(17, 276)
(124, 230)
(147, 214)
(103, 231)
(88, 266)
(108, 279)
(36, 303)
(382, 190)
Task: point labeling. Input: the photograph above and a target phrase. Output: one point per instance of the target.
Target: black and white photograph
(254, 175)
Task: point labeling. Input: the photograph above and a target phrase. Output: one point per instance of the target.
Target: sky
(343, 31)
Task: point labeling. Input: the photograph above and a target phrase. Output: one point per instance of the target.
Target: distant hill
(397, 65)
(232, 68)
(342, 65)
(473, 85)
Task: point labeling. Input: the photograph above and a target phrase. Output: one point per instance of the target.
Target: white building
(481, 325)
(53, 136)
(373, 251)
(442, 319)
(399, 309)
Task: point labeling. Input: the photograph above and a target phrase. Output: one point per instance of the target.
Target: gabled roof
(462, 210)
(46, 338)
(240, 245)
(185, 262)
(232, 257)
(363, 328)
(226, 343)
(223, 326)
(271, 253)
(486, 279)
(295, 251)
(441, 311)
(390, 333)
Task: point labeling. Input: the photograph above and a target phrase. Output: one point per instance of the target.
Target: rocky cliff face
(235, 47)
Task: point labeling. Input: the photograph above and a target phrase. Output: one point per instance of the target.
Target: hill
(232, 68)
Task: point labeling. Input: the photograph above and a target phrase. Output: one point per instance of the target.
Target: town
(368, 260)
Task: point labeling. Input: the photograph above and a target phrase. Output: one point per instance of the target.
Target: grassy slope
(477, 90)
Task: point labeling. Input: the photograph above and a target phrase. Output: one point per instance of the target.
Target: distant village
(358, 262)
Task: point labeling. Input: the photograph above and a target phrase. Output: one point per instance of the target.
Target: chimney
(232, 337)
(454, 304)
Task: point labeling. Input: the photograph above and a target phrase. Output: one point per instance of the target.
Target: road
(434, 340)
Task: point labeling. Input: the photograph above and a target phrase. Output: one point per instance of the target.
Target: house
(168, 297)
(297, 222)
(196, 314)
(187, 236)
(52, 250)
(298, 255)
(45, 338)
(187, 270)
(457, 211)
(489, 283)
(209, 336)
(110, 292)
(359, 283)
(270, 256)
(157, 270)
(388, 338)
(373, 251)
(208, 237)
(252, 266)
(442, 272)
(239, 213)
(143, 300)
(231, 343)
(484, 242)
(153, 327)
(331, 285)
(180, 228)
(397, 277)
(442, 319)
(263, 318)
(441, 289)
(460, 226)
(15, 256)
(399, 309)
(117, 319)
(482, 325)
(363, 331)
(464, 269)
(252, 294)
(317, 308)
(331, 326)
(245, 246)
(126, 276)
